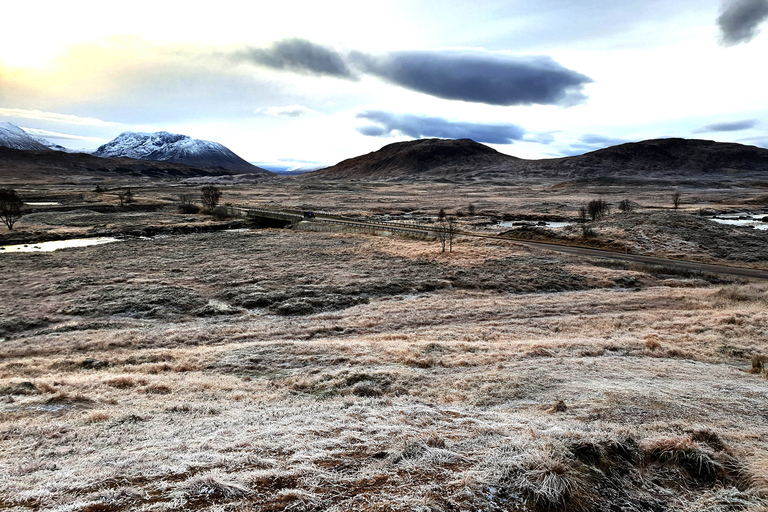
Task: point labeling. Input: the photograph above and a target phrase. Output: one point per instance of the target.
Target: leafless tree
(125, 196)
(471, 209)
(598, 208)
(676, 199)
(10, 207)
(625, 205)
(451, 228)
(441, 231)
(441, 214)
(187, 204)
(210, 196)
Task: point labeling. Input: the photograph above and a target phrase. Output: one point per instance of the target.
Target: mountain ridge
(176, 148)
(464, 159)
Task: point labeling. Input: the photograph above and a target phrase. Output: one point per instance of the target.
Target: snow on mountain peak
(11, 136)
(174, 147)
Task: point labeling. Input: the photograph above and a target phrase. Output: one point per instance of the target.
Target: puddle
(743, 219)
(42, 204)
(57, 244)
(533, 223)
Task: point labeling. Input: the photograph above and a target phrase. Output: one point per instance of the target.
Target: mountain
(420, 158)
(181, 149)
(27, 166)
(466, 160)
(662, 158)
(11, 136)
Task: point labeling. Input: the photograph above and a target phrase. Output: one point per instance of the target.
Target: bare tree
(441, 214)
(451, 226)
(125, 196)
(187, 204)
(676, 199)
(583, 217)
(625, 205)
(210, 196)
(10, 207)
(471, 209)
(441, 231)
(598, 208)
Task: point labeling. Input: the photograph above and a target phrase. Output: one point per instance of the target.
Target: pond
(743, 219)
(533, 223)
(57, 244)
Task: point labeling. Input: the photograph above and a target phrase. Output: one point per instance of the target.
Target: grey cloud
(591, 142)
(388, 124)
(301, 56)
(734, 126)
(541, 138)
(289, 111)
(740, 19)
(466, 75)
(481, 77)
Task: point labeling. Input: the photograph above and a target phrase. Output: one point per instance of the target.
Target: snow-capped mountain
(171, 147)
(11, 136)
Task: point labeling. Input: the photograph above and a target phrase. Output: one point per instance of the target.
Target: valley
(212, 365)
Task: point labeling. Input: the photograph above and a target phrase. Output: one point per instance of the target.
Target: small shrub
(189, 209)
(652, 342)
(220, 213)
(366, 389)
(97, 416)
(758, 363)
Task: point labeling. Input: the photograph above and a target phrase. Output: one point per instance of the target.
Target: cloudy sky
(291, 82)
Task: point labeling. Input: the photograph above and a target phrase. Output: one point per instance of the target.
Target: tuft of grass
(652, 342)
(121, 382)
(212, 487)
(684, 452)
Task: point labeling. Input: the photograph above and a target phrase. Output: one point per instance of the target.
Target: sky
(295, 83)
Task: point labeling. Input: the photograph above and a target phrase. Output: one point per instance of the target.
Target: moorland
(206, 364)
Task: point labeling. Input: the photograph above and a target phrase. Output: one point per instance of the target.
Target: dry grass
(221, 371)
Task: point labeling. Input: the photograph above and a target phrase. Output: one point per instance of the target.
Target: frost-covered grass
(242, 375)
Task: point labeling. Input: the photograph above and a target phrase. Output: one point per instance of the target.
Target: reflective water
(42, 204)
(547, 224)
(743, 219)
(55, 245)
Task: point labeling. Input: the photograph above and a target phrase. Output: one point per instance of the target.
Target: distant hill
(464, 160)
(26, 165)
(176, 148)
(420, 158)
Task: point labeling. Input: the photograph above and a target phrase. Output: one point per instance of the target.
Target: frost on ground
(279, 370)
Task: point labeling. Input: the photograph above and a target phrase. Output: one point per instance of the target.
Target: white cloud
(53, 116)
(37, 132)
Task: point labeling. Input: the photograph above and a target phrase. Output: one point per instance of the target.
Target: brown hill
(426, 158)
(22, 166)
(467, 160)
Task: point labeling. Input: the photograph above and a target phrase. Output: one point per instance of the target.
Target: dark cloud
(389, 124)
(740, 19)
(479, 76)
(466, 75)
(734, 126)
(300, 56)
